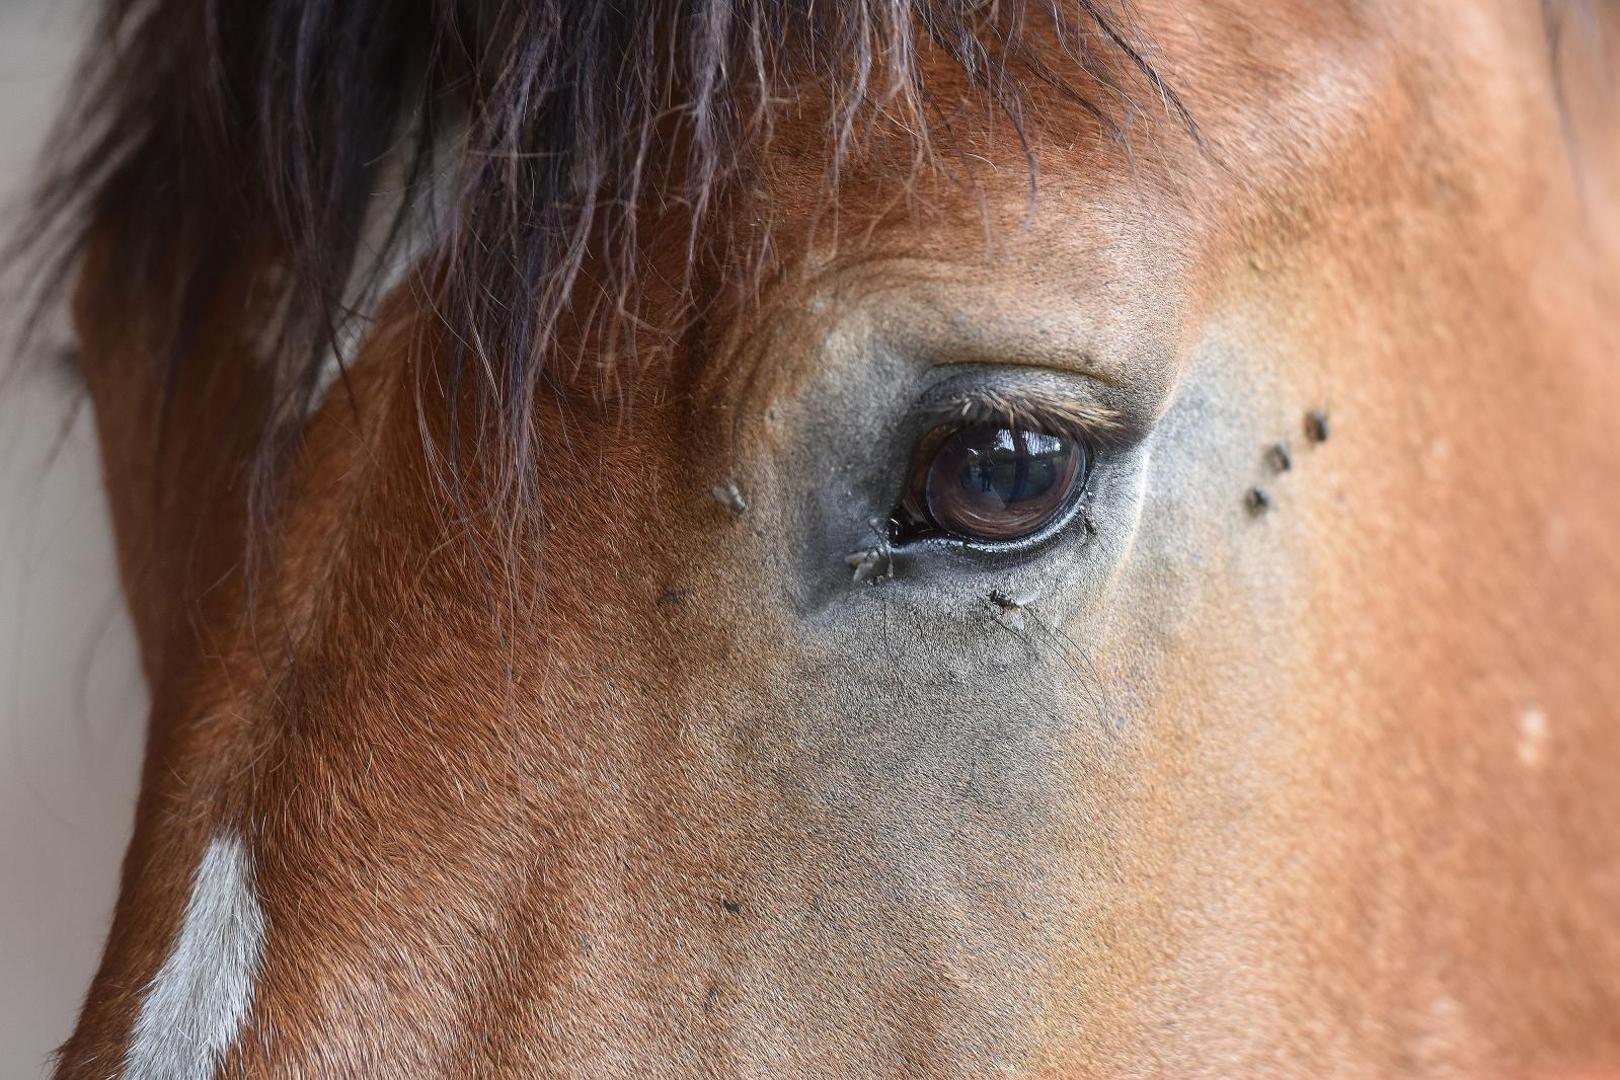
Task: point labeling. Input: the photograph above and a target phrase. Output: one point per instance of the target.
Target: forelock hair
(217, 141)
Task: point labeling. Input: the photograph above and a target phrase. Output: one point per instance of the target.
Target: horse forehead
(1287, 100)
(1333, 96)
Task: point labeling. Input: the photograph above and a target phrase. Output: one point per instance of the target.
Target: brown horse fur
(550, 764)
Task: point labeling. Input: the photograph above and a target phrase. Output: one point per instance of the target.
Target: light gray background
(72, 703)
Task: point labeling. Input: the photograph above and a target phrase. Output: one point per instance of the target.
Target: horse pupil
(1020, 466)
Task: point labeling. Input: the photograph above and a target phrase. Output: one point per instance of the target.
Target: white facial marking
(196, 1004)
(1532, 737)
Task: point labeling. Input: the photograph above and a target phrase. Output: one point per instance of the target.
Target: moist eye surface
(990, 482)
(993, 482)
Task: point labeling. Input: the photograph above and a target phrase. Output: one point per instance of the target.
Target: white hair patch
(1532, 745)
(196, 1004)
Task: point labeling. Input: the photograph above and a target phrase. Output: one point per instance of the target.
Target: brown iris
(994, 483)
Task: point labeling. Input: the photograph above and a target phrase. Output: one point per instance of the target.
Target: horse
(860, 539)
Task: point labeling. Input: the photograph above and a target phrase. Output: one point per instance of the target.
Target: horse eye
(994, 483)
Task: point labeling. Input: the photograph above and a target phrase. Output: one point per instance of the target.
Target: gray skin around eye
(844, 465)
(929, 722)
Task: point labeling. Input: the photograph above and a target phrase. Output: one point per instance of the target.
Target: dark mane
(213, 139)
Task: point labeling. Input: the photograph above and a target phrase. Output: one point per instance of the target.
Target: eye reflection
(992, 482)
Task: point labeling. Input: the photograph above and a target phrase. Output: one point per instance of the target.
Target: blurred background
(72, 703)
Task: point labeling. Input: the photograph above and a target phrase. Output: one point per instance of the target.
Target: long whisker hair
(1069, 652)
